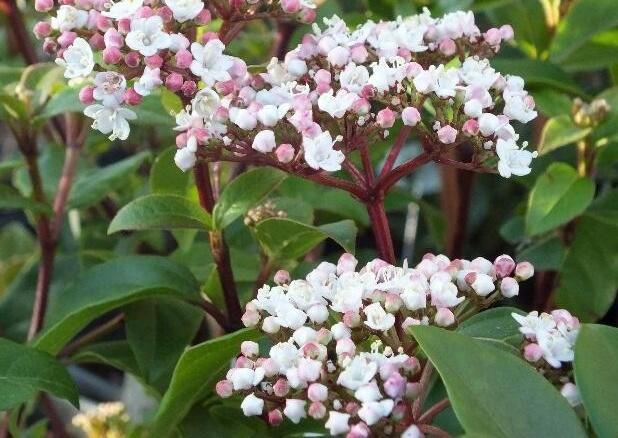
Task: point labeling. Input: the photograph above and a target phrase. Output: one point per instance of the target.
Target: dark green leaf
(497, 324)
(10, 198)
(545, 254)
(560, 131)
(117, 354)
(166, 177)
(537, 72)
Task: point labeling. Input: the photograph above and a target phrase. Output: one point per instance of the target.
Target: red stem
(404, 133)
(386, 181)
(434, 410)
(22, 35)
(381, 230)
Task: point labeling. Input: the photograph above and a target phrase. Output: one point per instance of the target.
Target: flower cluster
(549, 342)
(128, 48)
(106, 420)
(342, 352)
(341, 89)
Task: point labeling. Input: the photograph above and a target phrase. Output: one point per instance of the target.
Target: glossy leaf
(160, 212)
(494, 324)
(558, 196)
(493, 392)
(24, 371)
(596, 374)
(166, 177)
(560, 131)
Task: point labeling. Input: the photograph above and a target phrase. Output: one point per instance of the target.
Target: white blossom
(77, 59)
(319, 153)
(147, 35)
(110, 120)
(210, 63)
(184, 10)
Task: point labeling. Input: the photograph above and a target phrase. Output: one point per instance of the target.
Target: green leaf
(596, 374)
(494, 324)
(585, 19)
(25, 371)
(158, 331)
(538, 73)
(170, 101)
(110, 285)
(244, 192)
(194, 378)
(589, 275)
(560, 131)
(117, 354)
(93, 185)
(600, 52)
(166, 177)
(558, 196)
(286, 239)
(10, 198)
(493, 392)
(545, 254)
(151, 113)
(160, 212)
(66, 101)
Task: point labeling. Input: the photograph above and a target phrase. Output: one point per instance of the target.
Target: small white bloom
(340, 331)
(109, 88)
(243, 118)
(513, 160)
(295, 410)
(205, 102)
(354, 77)
(483, 285)
(252, 405)
(336, 105)
(245, 378)
(372, 412)
(111, 121)
(185, 159)
(556, 348)
(150, 79)
(534, 325)
(123, 9)
(147, 36)
(289, 316)
(412, 432)
(285, 355)
(319, 153)
(444, 294)
(337, 423)
(210, 63)
(378, 318)
(357, 373)
(184, 10)
(571, 393)
(264, 141)
(77, 59)
(368, 393)
(69, 18)
(269, 115)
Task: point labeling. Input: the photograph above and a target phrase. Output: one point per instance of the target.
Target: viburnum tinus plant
(382, 349)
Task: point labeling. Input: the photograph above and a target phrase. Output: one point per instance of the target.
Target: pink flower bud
(506, 32)
(322, 76)
(493, 36)
(368, 91)
(386, 118)
(392, 302)
(317, 410)
(352, 408)
(112, 55)
(345, 346)
(307, 15)
(225, 87)
(503, 266)
(224, 388)
(154, 61)
(361, 106)
(410, 116)
(351, 319)
(359, 430)
(66, 39)
(250, 318)
(338, 56)
(533, 352)
(324, 336)
(563, 316)
(249, 348)
(144, 12)
(444, 317)
(43, 5)
(85, 95)
(411, 365)
(181, 140)
(203, 17)
(264, 141)
(183, 58)
(113, 38)
(96, 41)
(275, 417)
(405, 54)
(359, 54)
(189, 88)
(132, 59)
(209, 36)
(270, 367)
(509, 287)
(285, 154)
(290, 6)
(174, 81)
(244, 362)
(399, 412)
(447, 134)
(103, 23)
(42, 29)
(395, 386)
(124, 25)
(317, 392)
(470, 127)
(447, 47)
(282, 276)
(524, 271)
(131, 97)
(281, 387)
(347, 263)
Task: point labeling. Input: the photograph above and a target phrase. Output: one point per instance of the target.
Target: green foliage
(560, 131)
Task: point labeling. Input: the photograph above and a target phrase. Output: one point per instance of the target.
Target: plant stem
(219, 248)
(381, 229)
(216, 314)
(386, 181)
(434, 410)
(433, 431)
(395, 150)
(424, 382)
(22, 35)
(96, 333)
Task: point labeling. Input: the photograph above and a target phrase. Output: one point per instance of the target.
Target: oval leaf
(596, 374)
(558, 196)
(560, 131)
(108, 286)
(493, 392)
(25, 371)
(160, 212)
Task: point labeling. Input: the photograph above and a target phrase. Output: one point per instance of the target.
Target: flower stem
(381, 229)
(434, 410)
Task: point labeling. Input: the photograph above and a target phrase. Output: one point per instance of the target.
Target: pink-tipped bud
(189, 88)
(359, 54)
(352, 319)
(317, 392)
(470, 127)
(132, 59)
(225, 87)
(174, 82)
(154, 61)
(322, 77)
(112, 55)
(412, 365)
(183, 58)
(96, 41)
(503, 266)
(290, 6)
(208, 36)
(124, 25)
(386, 118)
(307, 15)
(359, 430)
(351, 408)
(361, 106)
(447, 134)
(244, 362)
(249, 348)
(144, 12)
(524, 271)
(250, 318)
(281, 387)
(493, 36)
(447, 47)
(66, 39)
(346, 263)
(103, 23)
(42, 29)
(509, 287)
(324, 336)
(113, 38)
(345, 346)
(203, 17)
(444, 317)
(368, 91)
(224, 388)
(86, 95)
(282, 277)
(395, 385)
(405, 54)
(392, 302)
(410, 116)
(270, 367)
(285, 153)
(132, 97)
(533, 352)
(317, 410)
(506, 32)
(43, 5)
(275, 417)
(165, 13)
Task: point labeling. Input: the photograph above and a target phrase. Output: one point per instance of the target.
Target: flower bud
(282, 277)
(385, 118)
(189, 88)
(124, 25)
(250, 318)
(85, 95)
(503, 266)
(346, 263)
(183, 58)
(252, 405)
(203, 17)
(131, 97)
(174, 82)
(338, 56)
(470, 127)
(506, 32)
(447, 134)
(318, 313)
(270, 325)
(324, 336)
(297, 67)
(322, 77)
(307, 15)
(42, 29)
(571, 393)
(392, 302)
(249, 348)
(285, 154)
(482, 284)
(524, 271)
(444, 317)
(352, 319)
(493, 36)
(275, 417)
(154, 61)
(410, 116)
(224, 388)
(447, 47)
(243, 362)
(533, 352)
(345, 346)
(264, 141)
(112, 55)
(103, 23)
(96, 41)
(413, 389)
(290, 6)
(113, 38)
(359, 430)
(317, 392)
(43, 5)
(317, 410)
(359, 54)
(509, 287)
(340, 331)
(281, 387)
(412, 432)
(395, 385)
(132, 59)
(66, 39)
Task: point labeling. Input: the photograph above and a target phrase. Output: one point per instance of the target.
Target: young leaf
(286, 239)
(110, 285)
(493, 392)
(558, 196)
(194, 377)
(596, 374)
(244, 192)
(560, 131)
(24, 371)
(160, 212)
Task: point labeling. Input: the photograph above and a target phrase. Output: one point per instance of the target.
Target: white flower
(289, 316)
(243, 118)
(378, 318)
(354, 77)
(571, 393)
(150, 79)
(340, 331)
(147, 35)
(556, 348)
(483, 285)
(264, 141)
(185, 158)
(252, 405)
(518, 107)
(319, 153)
(359, 372)
(109, 88)
(269, 115)
(336, 105)
(444, 294)
(285, 355)
(412, 432)
(295, 410)
(372, 412)
(69, 18)
(123, 9)
(337, 423)
(348, 293)
(368, 393)
(210, 63)
(304, 335)
(276, 73)
(437, 79)
(513, 160)
(534, 325)
(77, 59)
(383, 76)
(205, 102)
(304, 295)
(184, 10)
(488, 124)
(245, 378)
(111, 120)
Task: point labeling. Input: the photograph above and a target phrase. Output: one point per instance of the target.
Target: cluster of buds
(263, 211)
(589, 114)
(341, 90)
(106, 420)
(549, 342)
(126, 49)
(341, 350)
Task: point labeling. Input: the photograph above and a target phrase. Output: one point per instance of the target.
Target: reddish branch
(434, 410)
(15, 22)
